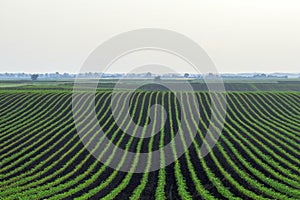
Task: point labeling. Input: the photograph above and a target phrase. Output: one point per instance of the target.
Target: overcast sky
(239, 35)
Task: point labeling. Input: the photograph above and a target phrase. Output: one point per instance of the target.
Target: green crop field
(256, 157)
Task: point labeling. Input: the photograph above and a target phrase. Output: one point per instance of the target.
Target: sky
(238, 35)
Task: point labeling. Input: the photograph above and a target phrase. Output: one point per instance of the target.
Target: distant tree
(157, 79)
(149, 74)
(34, 77)
(186, 75)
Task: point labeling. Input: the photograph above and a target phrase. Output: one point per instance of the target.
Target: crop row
(256, 156)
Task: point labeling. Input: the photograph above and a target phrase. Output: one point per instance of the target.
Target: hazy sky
(239, 35)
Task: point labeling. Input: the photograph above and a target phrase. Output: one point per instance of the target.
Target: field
(256, 157)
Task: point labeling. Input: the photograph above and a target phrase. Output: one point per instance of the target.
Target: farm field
(256, 157)
(283, 85)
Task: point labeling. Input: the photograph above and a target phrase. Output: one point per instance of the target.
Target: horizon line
(245, 72)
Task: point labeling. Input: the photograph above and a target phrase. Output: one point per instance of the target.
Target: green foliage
(37, 134)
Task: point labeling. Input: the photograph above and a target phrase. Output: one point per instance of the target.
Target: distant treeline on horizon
(58, 75)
